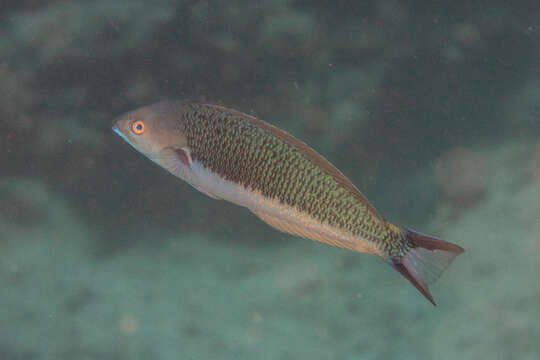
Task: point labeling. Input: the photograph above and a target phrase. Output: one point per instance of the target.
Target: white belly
(271, 211)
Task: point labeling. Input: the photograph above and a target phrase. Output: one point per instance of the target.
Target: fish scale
(226, 144)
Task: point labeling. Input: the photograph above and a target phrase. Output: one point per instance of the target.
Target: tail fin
(424, 263)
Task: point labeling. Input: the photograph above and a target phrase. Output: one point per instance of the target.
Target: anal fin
(314, 232)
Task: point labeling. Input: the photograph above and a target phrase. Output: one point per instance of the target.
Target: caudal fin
(427, 258)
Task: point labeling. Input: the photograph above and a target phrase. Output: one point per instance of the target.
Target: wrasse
(229, 155)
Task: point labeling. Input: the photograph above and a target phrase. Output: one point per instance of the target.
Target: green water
(431, 109)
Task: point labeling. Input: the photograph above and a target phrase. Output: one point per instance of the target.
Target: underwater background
(432, 108)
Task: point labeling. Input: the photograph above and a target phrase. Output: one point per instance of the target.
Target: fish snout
(116, 129)
(118, 126)
(115, 123)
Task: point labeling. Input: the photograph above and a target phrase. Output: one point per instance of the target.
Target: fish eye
(137, 127)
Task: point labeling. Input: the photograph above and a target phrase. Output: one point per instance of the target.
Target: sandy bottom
(198, 298)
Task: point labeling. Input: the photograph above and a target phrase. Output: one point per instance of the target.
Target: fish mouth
(122, 135)
(119, 132)
(116, 129)
(114, 125)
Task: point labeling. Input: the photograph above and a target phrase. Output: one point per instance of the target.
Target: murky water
(432, 110)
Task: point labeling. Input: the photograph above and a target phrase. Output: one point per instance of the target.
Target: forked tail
(427, 258)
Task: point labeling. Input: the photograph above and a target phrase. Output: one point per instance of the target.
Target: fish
(232, 156)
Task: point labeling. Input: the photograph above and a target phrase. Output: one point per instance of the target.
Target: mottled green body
(240, 150)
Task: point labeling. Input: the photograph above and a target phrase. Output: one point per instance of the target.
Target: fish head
(155, 130)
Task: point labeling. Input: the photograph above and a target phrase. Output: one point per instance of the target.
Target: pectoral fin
(179, 163)
(184, 156)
